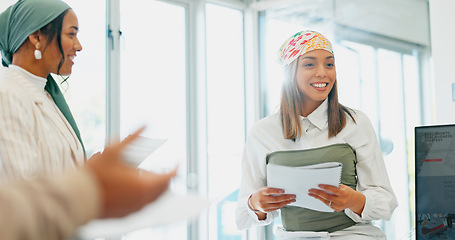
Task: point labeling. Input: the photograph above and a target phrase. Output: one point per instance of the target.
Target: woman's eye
(308, 65)
(330, 65)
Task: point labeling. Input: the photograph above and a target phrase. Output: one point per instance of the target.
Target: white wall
(442, 18)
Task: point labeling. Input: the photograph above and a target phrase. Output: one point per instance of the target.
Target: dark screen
(435, 181)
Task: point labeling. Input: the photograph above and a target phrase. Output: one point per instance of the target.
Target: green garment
(303, 219)
(19, 21)
(22, 19)
(54, 91)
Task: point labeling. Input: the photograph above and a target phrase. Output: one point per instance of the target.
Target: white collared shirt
(266, 136)
(35, 137)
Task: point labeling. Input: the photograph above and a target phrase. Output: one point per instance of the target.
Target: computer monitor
(435, 181)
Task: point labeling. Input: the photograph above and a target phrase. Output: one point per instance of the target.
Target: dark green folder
(302, 219)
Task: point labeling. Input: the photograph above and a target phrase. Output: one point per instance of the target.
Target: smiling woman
(55, 47)
(310, 117)
(38, 135)
(315, 78)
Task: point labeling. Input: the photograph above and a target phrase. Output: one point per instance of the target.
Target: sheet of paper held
(170, 207)
(298, 180)
(136, 152)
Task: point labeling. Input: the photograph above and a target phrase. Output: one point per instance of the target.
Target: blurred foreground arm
(53, 207)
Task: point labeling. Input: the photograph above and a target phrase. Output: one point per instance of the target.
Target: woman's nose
(320, 71)
(77, 45)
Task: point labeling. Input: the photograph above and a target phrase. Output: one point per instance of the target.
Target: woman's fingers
(271, 191)
(276, 206)
(336, 198)
(275, 203)
(332, 189)
(120, 146)
(271, 199)
(329, 200)
(281, 198)
(276, 195)
(322, 195)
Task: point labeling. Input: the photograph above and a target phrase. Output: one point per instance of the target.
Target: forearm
(358, 203)
(261, 215)
(48, 209)
(245, 218)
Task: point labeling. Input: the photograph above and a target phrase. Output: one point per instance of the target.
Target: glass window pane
(153, 89)
(348, 79)
(273, 36)
(393, 137)
(362, 80)
(225, 115)
(413, 118)
(85, 89)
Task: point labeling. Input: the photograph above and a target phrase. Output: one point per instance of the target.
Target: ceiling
(405, 20)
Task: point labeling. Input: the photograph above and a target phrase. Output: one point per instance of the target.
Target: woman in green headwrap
(38, 135)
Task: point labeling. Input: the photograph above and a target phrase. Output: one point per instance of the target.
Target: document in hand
(298, 180)
(136, 152)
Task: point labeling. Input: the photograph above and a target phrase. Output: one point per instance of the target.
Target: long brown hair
(290, 110)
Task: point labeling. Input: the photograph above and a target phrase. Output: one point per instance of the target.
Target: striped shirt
(35, 138)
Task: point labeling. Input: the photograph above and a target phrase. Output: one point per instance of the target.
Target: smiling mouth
(319, 85)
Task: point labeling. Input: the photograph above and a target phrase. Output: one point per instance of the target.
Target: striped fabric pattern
(35, 138)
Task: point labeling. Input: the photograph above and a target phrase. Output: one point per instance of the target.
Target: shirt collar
(36, 81)
(319, 116)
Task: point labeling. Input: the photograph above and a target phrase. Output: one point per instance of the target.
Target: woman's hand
(125, 189)
(269, 199)
(339, 198)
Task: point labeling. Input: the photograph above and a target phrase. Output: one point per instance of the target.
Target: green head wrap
(17, 23)
(22, 19)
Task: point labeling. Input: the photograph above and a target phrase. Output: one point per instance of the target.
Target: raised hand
(125, 189)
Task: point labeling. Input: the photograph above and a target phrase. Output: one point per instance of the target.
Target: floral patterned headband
(301, 43)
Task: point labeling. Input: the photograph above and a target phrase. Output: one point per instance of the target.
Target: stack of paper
(298, 180)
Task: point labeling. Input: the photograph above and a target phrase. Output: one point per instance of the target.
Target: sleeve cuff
(246, 218)
(367, 210)
(268, 219)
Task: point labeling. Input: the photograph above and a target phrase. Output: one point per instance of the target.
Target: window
(383, 77)
(225, 116)
(153, 90)
(158, 62)
(85, 88)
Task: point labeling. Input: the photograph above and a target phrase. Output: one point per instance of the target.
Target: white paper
(298, 180)
(138, 150)
(169, 208)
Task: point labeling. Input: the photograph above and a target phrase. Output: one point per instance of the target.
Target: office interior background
(199, 73)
